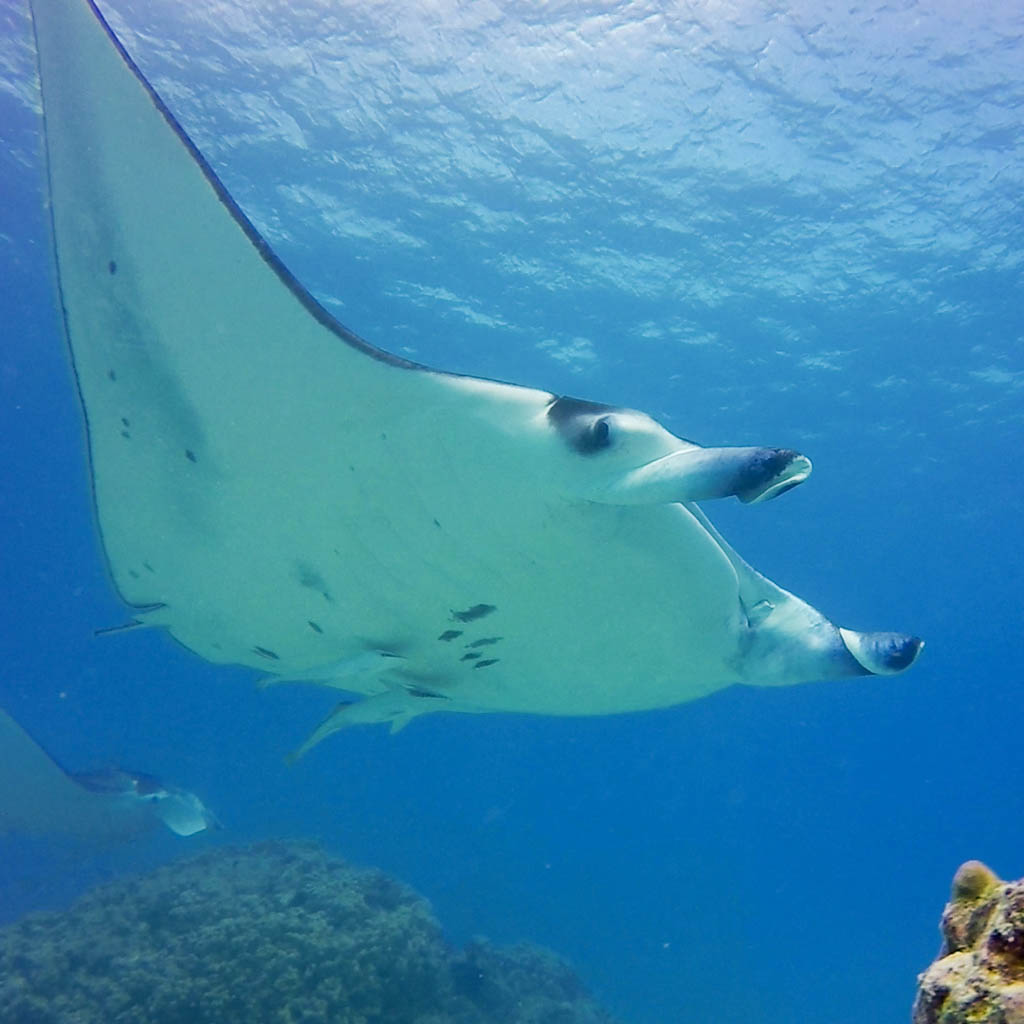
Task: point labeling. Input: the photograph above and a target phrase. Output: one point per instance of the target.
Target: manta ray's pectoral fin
(397, 706)
(338, 674)
(791, 641)
(699, 474)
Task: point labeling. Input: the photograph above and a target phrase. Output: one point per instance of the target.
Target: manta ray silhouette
(276, 492)
(38, 797)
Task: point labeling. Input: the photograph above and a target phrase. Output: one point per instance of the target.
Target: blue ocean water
(795, 225)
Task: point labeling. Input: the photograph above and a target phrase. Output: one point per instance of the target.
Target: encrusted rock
(978, 977)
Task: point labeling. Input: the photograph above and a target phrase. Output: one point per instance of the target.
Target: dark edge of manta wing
(262, 246)
(54, 250)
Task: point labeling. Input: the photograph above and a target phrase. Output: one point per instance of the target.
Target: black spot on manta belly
(111, 375)
(311, 579)
(190, 455)
(112, 267)
(478, 611)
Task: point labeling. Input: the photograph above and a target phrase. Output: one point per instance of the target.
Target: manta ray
(276, 492)
(39, 798)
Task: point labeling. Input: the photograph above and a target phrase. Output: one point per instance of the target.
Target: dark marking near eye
(472, 656)
(486, 662)
(313, 626)
(111, 375)
(112, 267)
(583, 425)
(265, 652)
(484, 641)
(190, 455)
(478, 611)
(450, 634)
(565, 409)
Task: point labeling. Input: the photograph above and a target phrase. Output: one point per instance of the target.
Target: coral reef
(978, 976)
(276, 932)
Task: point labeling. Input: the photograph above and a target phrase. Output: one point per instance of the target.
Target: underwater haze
(793, 225)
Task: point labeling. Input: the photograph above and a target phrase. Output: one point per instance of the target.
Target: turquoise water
(761, 225)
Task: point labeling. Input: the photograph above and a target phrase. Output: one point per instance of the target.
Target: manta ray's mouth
(787, 469)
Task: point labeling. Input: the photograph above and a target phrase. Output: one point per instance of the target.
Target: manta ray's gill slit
(313, 626)
(190, 455)
(265, 652)
(486, 662)
(111, 375)
(112, 267)
(471, 656)
(427, 694)
(450, 634)
(485, 641)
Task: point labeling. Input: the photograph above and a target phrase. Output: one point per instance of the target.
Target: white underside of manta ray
(276, 492)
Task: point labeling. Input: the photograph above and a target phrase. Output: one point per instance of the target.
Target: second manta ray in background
(39, 798)
(276, 492)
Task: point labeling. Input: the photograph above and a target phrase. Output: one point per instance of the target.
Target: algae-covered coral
(978, 977)
(277, 932)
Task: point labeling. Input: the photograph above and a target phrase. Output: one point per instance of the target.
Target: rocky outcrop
(978, 976)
